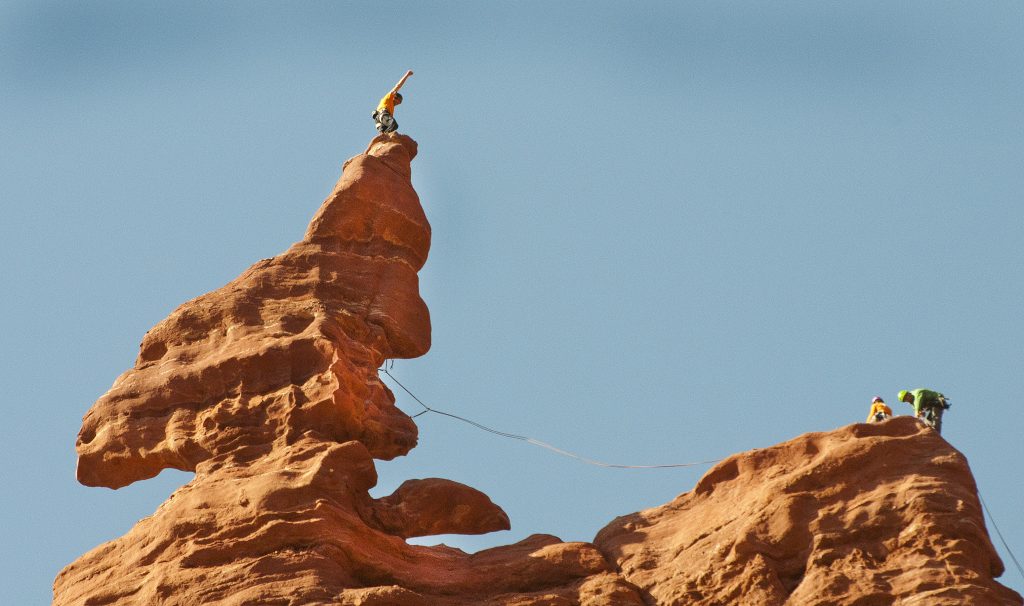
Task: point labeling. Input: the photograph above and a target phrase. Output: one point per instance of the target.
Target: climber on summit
(928, 405)
(384, 116)
(879, 411)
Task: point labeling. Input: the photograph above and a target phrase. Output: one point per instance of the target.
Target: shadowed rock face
(268, 389)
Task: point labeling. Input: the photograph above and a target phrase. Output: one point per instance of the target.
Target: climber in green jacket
(928, 405)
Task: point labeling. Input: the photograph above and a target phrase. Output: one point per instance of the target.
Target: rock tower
(268, 390)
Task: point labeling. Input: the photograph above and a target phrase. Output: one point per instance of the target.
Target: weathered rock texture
(291, 347)
(869, 514)
(268, 390)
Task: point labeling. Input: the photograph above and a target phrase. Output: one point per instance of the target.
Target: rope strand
(998, 532)
(536, 442)
(594, 462)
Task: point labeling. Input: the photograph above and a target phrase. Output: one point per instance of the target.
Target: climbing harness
(535, 441)
(386, 123)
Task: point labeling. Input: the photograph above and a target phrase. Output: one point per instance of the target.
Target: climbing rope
(534, 441)
(998, 532)
(589, 461)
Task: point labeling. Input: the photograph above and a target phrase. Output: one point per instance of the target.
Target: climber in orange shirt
(879, 411)
(384, 116)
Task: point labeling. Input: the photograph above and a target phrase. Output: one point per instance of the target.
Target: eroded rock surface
(298, 527)
(290, 347)
(268, 390)
(868, 514)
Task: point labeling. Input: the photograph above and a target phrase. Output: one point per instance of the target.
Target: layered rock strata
(289, 348)
(268, 390)
(869, 514)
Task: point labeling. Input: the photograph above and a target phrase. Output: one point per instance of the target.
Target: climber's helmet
(903, 396)
(877, 399)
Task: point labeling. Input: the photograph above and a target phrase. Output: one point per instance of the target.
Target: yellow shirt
(387, 103)
(879, 407)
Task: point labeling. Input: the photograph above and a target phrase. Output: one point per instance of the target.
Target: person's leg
(385, 123)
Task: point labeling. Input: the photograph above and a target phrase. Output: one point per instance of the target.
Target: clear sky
(663, 232)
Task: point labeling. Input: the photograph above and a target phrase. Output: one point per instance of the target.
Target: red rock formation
(298, 527)
(268, 390)
(290, 347)
(868, 514)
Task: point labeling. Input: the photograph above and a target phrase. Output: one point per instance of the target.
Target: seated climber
(384, 116)
(928, 405)
(879, 411)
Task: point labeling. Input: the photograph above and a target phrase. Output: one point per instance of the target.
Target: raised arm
(402, 81)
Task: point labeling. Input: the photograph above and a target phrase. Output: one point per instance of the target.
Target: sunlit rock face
(882, 513)
(268, 390)
(288, 349)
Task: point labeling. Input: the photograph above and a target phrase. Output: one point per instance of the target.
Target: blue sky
(662, 232)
